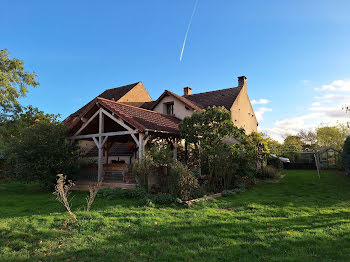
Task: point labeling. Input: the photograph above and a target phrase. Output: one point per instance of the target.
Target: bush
(182, 181)
(109, 193)
(198, 192)
(141, 169)
(238, 190)
(39, 152)
(268, 172)
(275, 162)
(138, 192)
(146, 202)
(165, 199)
(346, 155)
(228, 193)
(153, 158)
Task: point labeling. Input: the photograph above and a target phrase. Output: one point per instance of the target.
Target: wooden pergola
(104, 120)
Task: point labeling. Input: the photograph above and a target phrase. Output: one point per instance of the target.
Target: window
(169, 108)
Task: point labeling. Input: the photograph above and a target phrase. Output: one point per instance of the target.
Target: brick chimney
(242, 81)
(187, 91)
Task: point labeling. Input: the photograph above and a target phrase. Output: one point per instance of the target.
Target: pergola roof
(141, 119)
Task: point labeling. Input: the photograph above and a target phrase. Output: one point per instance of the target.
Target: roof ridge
(122, 86)
(212, 91)
(191, 103)
(134, 107)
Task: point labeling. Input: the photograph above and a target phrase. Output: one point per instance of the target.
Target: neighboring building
(114, 128)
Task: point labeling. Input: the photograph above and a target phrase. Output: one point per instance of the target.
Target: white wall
(179, 107)
(242, 113)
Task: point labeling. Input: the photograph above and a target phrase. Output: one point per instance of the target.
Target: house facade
(113, 129)
(235, 99)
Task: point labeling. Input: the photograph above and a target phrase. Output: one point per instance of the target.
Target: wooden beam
(146, 140)
(118, 133)
(96, 142)
(121, 122)
(100, 148)
(104, 141)
(86, 123)
(116, 120)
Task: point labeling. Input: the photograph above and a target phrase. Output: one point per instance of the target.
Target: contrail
(188, 29)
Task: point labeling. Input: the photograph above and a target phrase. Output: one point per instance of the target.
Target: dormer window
(169, 108)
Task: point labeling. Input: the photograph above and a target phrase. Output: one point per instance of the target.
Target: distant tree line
(322, 137)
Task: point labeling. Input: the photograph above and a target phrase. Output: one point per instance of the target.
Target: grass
(302, 218)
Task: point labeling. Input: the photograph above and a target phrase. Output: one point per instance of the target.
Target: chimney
(242, 81)
(187, 91)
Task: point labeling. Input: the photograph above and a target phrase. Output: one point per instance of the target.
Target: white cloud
(260, 112)
(327, 108)
(337, 85)
(332, 97)
(309, 121)
(261, 101)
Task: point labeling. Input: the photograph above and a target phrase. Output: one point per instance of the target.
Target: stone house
(115, 127)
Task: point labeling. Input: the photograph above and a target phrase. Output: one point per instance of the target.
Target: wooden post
(106, 156)
(100, 146)
(141, 145)
(175, 150)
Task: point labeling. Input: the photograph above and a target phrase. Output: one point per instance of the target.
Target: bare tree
(308, 137)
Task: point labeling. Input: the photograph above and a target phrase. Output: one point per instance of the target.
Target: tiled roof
(148, 105)
(223, 97)
(142, 119)
(187, 102)
(118, 92)
(113, 93)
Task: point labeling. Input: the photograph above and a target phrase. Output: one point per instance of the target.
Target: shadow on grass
(229, 241)
(299, 189)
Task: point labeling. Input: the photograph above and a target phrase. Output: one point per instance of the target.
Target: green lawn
(302, 218)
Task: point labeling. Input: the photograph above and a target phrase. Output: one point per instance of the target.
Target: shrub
(138, 192)
(105, 192)
(109, 193)
(165, 199)
(146, 202)
(182, 181)
(346, 155)
(198, 192)
(275, 162)
(39, 152)
(228, 193)
(61, 192)
(153, 158)
(141, 169)
(268, 172)
(241, 188)
(93, 191)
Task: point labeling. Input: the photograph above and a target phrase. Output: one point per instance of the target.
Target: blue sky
(295, 54)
